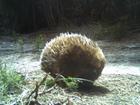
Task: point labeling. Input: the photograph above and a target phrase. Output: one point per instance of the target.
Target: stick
(37, 88)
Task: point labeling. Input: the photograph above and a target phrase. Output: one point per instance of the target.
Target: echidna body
(73, 55)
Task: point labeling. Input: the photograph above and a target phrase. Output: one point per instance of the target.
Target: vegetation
(69, 82)
(10, 82)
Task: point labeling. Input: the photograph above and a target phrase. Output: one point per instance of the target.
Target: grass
(10, 82)
(38, 42)
(69, 82)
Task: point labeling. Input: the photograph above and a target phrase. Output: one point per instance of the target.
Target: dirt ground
(107, 90)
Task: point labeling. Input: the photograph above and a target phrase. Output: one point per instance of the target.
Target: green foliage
(10, 81)
(50, 81)
(71, 83)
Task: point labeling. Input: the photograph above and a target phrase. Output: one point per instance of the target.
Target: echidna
(73, 55)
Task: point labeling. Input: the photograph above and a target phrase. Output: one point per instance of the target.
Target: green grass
(50, 81)
(69, 82)
(10, 82)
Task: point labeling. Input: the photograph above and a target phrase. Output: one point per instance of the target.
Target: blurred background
(101, 17)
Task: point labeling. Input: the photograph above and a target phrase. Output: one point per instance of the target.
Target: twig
(48, 90)
(37, 88)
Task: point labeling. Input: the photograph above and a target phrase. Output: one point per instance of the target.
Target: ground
(108, 90)
(118, 85)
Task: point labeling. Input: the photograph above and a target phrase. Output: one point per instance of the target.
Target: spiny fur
(73, 55)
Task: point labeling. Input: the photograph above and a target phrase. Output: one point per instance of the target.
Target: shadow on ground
(90, 89)
(94, 90)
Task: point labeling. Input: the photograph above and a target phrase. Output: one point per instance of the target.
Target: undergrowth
(69, 82)
(10, 82)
